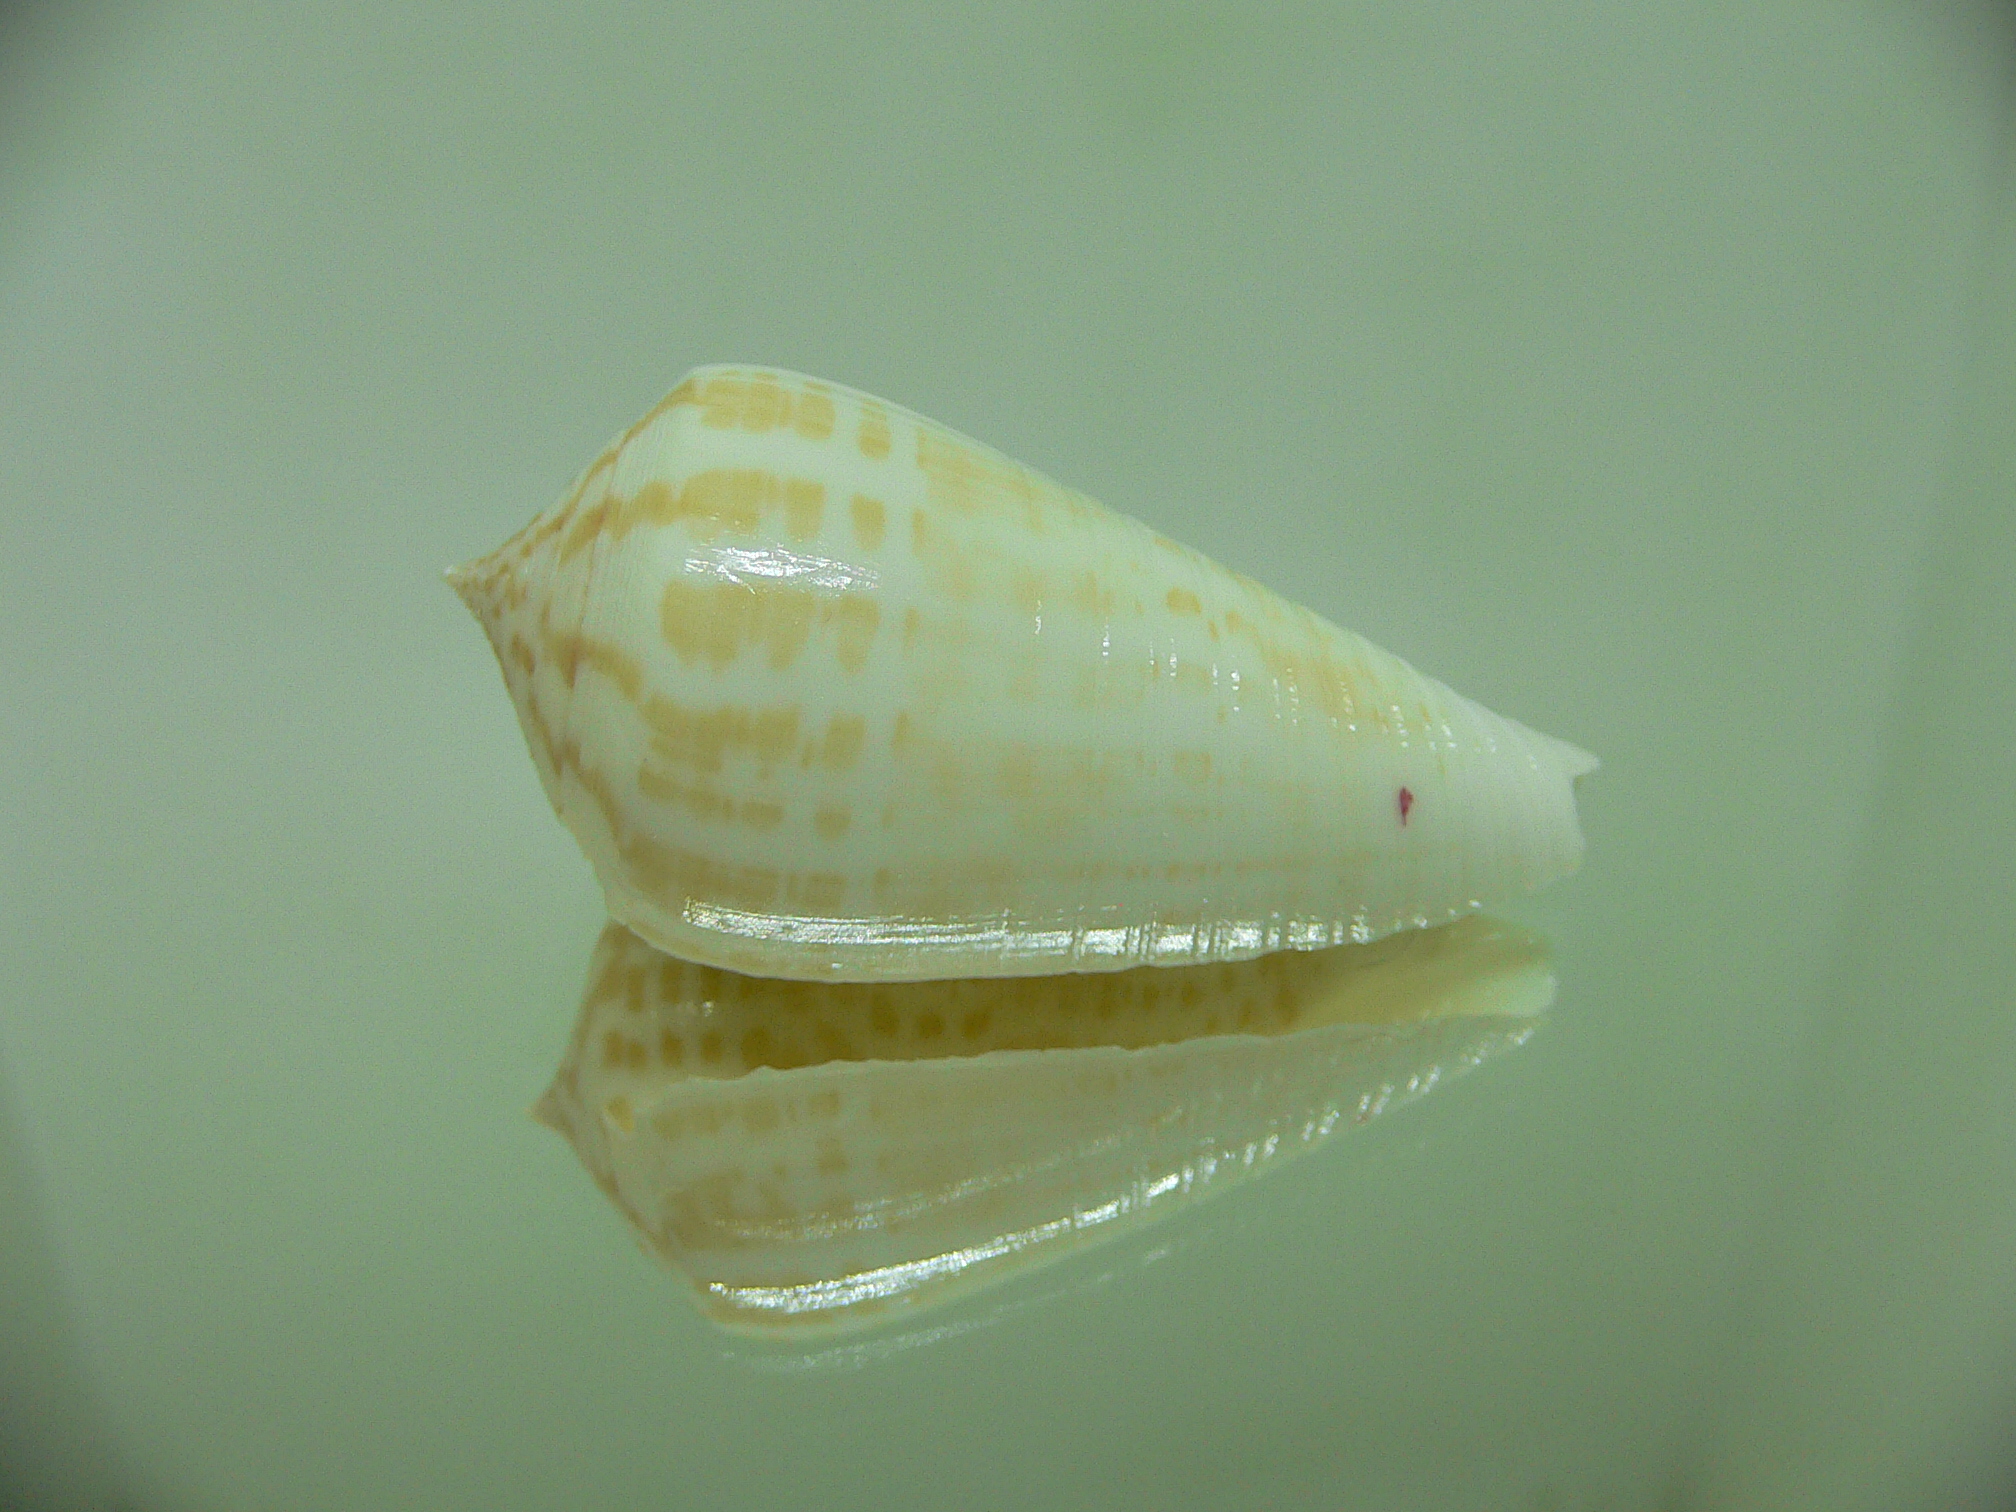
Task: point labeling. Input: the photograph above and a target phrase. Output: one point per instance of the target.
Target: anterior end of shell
(773, 1189)
(827, 691)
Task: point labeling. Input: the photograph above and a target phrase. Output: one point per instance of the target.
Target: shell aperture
(826, 690)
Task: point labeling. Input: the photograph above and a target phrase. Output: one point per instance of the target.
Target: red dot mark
(1406, 803)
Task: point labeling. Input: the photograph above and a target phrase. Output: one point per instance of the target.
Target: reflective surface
(1615, 368)
(817, 1155)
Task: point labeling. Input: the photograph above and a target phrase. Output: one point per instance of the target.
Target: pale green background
(1647, 372)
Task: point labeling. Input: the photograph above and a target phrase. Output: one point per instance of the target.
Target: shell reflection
(831, 1153)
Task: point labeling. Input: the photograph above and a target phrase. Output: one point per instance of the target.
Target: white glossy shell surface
(824, 689)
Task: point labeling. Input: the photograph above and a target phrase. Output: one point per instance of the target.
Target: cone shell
(825, 690)
(814, 1154)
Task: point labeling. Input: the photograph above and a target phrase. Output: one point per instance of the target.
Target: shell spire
(826, 690)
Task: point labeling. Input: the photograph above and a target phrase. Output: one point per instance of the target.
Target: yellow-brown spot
(804, 505)
(788, 1057)
(757, 403)
(832, 1158)
(716, 622)
(1286, 1007)
(841, 747)
(761, 814)
(1091, 597)
(673, 876)
(634, 990)
(1193, 767)
(572, 652)
(874, 433)
(870, 519)
(966, 480)
(1183, 601)
(814, 417)
(713, 622)
(929, 1025)
(763, 404)
(589, 524)
(823, 1104)
(832, 820)
(833, 1044)
(701, 802)
(856, 618)
(701, 739)
(719, 501)
(710, 1046)
(671, 1048)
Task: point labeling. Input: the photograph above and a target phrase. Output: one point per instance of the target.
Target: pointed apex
(549, 1112)
(473, 586)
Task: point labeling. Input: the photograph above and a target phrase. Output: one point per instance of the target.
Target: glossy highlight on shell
(813, 1155)
(825, 690)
